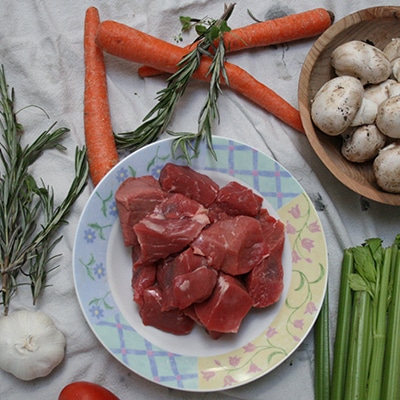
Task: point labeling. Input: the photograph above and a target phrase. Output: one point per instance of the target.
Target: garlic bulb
(31, 346)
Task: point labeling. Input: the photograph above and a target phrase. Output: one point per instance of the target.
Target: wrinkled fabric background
(42, 53)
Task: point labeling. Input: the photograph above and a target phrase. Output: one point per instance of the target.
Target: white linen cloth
(41, 48)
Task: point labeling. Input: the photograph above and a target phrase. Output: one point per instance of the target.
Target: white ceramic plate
(195, 362)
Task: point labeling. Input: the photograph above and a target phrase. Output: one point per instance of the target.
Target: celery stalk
(379, 329)
(322, 352)
(342, 328)
(391, 370)
(356, 374)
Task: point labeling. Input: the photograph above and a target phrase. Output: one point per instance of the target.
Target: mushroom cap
(396, 68)
(388, 117)
(380, 91)
(366, 114)
(386, 168)
(363, 143)
(361, 60)
(392, 49)
(336, 104)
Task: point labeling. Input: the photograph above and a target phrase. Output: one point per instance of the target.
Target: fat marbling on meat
(173, 225)
(135, 198)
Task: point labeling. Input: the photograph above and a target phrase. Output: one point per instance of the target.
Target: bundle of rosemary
(29, 218)
(209, 43)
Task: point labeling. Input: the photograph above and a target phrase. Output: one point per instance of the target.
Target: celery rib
(322, 352)
(342, 328)
(356, 375)
(391, 370)
(379, 331)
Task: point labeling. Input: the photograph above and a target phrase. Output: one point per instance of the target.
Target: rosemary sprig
(28, 216)
(157, 120)
(189, 142)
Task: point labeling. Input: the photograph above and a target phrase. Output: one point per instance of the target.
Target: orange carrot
(131, 44)
(101, 148)
(280, 30)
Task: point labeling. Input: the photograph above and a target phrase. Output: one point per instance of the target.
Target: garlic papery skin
(31, 345)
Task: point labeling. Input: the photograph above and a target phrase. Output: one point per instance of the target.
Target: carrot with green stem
(270, 32)
(101, 148)
(131, 44)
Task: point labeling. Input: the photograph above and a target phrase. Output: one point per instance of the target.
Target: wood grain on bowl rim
(377, 25)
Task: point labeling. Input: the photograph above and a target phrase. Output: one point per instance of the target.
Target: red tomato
(85, 391)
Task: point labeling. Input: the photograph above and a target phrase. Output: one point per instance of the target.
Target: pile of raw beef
(201, 254)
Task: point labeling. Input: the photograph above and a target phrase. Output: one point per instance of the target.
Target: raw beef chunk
(187, 261)
(193, 287)
(217, 213)
(192, 184)
(185, 280)
(236, 199)
(172, 226)
(201, 254)
(142, 278)
(225, 309)
(265, 281)
(173, 321)
(234, 245)
(135, 198)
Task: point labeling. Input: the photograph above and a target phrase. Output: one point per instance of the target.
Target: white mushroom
(388, 118)
(336, 104)
(394, 88)
(362, 143)
(396, 68)
(361, 60)
(392, 49)
(379, 92)
(366, 114)
(386, 168)
(392, 52)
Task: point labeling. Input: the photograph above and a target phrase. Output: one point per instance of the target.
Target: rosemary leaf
(29, 218)
(157, 120)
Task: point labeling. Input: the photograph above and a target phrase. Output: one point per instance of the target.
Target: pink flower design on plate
(271, 332)
(310, 308)
(207, 375)
(290, 229)
(307, 244)
(229, 380)
(295, 211)
(296, 338)
(249, 348)
(217, 362)
(253, 368)
(298, 323)
(314, 227)
(234, 361)
(295, 257)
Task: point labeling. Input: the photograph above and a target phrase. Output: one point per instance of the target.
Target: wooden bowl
(377, 25)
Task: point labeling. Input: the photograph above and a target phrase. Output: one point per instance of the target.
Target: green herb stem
(28, 216)
(157, 120)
